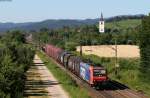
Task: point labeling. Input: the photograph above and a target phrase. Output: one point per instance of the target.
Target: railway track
(127, 92)
(113, 89)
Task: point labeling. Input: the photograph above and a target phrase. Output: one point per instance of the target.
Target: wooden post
(80, 50)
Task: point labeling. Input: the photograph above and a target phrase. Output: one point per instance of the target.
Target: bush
(15, 57)
(144, 37)
(70, 46)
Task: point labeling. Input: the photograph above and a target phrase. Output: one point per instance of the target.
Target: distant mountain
(52, 24)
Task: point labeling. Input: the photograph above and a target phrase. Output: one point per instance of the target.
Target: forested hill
(52, 24)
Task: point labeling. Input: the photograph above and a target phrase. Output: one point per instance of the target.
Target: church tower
(101, 24)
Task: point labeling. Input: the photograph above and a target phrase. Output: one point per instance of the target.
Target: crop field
(123, 51)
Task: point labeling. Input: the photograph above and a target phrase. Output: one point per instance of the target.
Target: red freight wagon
(53, 51)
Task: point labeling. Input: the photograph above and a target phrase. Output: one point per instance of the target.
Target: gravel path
(41, 83)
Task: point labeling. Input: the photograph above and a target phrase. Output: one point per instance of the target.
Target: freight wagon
(91, 73)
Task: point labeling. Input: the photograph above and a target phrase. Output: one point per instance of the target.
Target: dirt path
(41, 83)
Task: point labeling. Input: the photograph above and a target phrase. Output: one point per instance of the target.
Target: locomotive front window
(99, 72)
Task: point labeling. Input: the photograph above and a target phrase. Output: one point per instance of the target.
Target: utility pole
(80, 43)
(116, 52)
(116, 57)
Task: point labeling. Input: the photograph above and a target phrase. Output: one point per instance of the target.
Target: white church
(101, 24)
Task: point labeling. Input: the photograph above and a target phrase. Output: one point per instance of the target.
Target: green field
(130, 23)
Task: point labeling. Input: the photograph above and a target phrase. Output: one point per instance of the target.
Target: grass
(128, 73)
(124, 23)
(66, 81)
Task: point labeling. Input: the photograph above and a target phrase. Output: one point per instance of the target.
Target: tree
(15, 36)
(144, 37)
(15, 59)
(44, 30)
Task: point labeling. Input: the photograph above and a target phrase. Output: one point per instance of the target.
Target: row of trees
(15, 59)
(125, 17)
(86, 35)
(144, 38)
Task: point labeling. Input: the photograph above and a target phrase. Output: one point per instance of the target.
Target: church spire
(101, 24)
(101, 19)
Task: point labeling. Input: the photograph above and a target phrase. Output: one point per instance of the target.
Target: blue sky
(38, 10)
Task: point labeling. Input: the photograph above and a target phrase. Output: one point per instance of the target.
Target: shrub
(15, 57)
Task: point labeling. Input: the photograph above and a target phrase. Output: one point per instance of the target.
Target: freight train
(89, 72)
